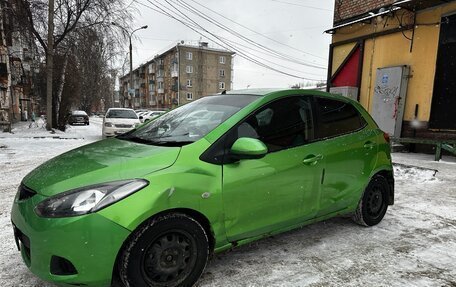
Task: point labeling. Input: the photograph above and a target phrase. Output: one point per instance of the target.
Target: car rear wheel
(169, 250)
(374, 203)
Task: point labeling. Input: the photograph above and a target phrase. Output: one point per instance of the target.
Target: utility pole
(49, 64)
(131, 87)
(131, 97)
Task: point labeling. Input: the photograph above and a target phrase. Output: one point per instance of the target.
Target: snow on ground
(415, 244)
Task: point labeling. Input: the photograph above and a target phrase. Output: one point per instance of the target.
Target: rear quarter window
(337, 118)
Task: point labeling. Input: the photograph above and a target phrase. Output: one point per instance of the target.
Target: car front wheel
(374, 203)
(169, 250)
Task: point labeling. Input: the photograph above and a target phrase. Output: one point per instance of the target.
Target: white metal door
(389, 98)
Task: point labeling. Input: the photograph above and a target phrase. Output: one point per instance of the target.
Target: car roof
(281, 91)
(79, 112)
(254, 92)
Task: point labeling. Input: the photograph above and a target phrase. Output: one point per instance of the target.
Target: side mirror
(248, 148)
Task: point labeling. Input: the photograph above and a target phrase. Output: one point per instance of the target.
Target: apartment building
(17, 60)
(180, 75)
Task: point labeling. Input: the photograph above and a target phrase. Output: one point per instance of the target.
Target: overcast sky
(294, 28)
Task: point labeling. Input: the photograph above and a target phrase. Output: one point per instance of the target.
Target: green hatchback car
(148, 207)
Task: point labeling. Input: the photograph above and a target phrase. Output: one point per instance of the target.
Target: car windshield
(190, 122)
(79, 113)
(122, 114)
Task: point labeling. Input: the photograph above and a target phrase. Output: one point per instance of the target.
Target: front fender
(188, 184)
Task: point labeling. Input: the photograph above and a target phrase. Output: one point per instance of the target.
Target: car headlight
(88, 199)
(108, 124)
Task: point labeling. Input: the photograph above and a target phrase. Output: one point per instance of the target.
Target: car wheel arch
(196, 215)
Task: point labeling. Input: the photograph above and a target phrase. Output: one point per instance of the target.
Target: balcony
(161, 90)
(174, 87)
(174, 74)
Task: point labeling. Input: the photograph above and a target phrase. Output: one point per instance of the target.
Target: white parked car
(118, 121)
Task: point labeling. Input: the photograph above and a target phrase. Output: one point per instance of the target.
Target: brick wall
(345, 9)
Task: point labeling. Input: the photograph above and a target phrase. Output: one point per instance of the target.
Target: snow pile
(38, 130)
(414, 174)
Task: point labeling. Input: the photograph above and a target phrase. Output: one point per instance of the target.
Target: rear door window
(336, 118)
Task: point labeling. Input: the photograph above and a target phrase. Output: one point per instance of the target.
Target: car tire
(168, 250)
(374, 202)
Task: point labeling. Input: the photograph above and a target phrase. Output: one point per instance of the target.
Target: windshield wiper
(171, 143)
(169, 136)
(155, 142)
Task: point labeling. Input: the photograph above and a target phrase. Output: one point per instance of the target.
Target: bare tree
(72, 18)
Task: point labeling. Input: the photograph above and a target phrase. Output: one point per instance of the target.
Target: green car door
(350, 146)
(282, 188)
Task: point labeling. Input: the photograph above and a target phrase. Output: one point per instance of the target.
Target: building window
(189, 69)
(160, 73)
(222, 59)
(189, 55)
(189, 83)
(189, 96)
(222, 85)
(160, 85)
(222, 73)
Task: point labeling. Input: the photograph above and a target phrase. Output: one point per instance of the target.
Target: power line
(196, 27)
(305, 6)
(266, 53)
(240, 36)
(248, 40)
(257, 33)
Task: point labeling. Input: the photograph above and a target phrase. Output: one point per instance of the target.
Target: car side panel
(188, 184)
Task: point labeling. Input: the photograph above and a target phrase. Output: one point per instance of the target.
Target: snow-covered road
(415, 245)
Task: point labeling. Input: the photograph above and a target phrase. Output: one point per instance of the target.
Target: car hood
(102, 161)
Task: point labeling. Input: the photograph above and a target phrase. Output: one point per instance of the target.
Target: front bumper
(114, 131)
(90, 243)
(78, 120)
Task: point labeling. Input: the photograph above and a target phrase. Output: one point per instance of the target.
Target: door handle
(312, 159)
(369, 145)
